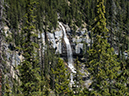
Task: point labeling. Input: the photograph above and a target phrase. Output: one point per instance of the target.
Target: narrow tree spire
(29, 69)
(103, 64)
(0, 83)
(100, 21)
(1, 28)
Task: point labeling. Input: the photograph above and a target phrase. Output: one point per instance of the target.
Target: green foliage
(103, 64)
(61, 79)
(109, 73)
(29, 69)
(7, 88)
(78, 82)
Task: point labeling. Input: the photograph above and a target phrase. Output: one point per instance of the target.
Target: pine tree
(29, 69)
(0, 82)
(61, 79)
(1, 29)
(7, 88)
(103, 64)
(111, 20)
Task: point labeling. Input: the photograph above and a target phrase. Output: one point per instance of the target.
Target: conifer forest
(64, 47)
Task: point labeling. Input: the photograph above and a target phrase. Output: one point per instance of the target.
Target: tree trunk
(0, 82)
(1, 27)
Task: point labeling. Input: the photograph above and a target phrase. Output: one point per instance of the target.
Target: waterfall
(69, 50)
(69, 53)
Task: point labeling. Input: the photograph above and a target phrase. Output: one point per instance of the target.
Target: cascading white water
(69, 50)
(69, 53)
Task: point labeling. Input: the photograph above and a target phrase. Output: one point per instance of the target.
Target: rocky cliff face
(78, 41)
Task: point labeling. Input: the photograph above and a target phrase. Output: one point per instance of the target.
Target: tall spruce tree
(7, 88)
(103, 64)
(29, 69)
(1, 29)
(61, 79)
(0, 82)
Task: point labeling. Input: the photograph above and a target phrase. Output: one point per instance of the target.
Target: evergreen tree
(103, 64)
(1, 30)
(107, 74)
(29, 69)
(61, 79)
(0, 82)
(7, 88)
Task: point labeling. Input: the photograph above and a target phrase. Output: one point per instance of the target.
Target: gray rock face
(79, 48)
(58, 37)
(52, 39)
(55, 40)
(67, 28)
(79, 39)
(9, 54)
(12, 60)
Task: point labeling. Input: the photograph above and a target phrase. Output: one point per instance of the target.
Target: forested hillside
(64, 47)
